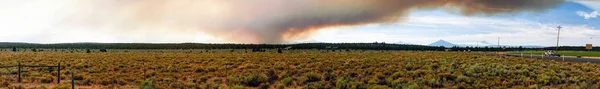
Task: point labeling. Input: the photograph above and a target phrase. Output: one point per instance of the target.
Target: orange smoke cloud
(272, 21)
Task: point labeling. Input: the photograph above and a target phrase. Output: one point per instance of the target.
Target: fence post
(58, 74)
(72, 80)
(19, 72)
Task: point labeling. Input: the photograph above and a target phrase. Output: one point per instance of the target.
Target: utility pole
(557, 38)
(499, 42)
(499, 48)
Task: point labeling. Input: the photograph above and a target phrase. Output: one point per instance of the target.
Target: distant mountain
(480, 45)
(484, 42)
(400, 42)
(524, 46)
(442, 43)
(487, 44)
(532, 46)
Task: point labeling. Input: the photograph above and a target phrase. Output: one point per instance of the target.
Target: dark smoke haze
(269, 21)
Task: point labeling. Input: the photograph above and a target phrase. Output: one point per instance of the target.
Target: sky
(580, 23)
(530, 22)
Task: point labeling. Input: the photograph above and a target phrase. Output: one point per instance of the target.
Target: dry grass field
(310, 69)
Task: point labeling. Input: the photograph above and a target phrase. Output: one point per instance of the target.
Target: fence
(20, 67)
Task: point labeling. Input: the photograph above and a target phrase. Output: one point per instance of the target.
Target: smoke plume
(268, 21)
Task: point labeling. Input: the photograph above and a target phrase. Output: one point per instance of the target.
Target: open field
(312, 69)
(565, 53)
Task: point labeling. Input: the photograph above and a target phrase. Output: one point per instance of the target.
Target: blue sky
(524, 28)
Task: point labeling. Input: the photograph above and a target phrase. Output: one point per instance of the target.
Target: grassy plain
(312, 69)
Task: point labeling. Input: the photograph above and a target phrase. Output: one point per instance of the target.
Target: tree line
(521, 48)
(365, 46)
(327, 46)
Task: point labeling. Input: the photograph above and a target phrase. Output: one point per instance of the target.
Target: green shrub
(356, 85)
(191, 85)
(202, 79)
(212, 69)
(147, 85)
(412, 86)
(372, 81)
(286, 74)
(287, 81)
(341, 83)
(534, 86)
(388, 81)
(314, 85)
(264, 86)
(462, 78)
(62, 86)
(121, 65)
(237, 87)
(398, 83)
(279, 86)
(42, 87)
(240, 60)
(46, 80)
(199, 70)
(434, 82)
(218, 80)
(327, 76)
(271, 75)
(398, 74)
(310, 77)
(280, 67)
(250, 79)
(380, 87)
(211, 85)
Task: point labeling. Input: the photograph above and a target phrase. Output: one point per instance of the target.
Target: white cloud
(465, 30)
(594, 4)
(586, 15)
(541, 34)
